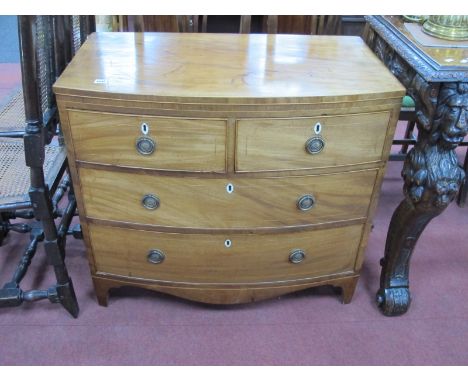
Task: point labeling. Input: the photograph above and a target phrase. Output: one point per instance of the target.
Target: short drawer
(149, 142)
(224, 258)
(226, 203)
(305, 143)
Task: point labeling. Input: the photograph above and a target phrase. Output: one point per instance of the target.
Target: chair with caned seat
(33, 168)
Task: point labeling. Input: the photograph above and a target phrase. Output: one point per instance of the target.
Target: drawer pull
(315, 145)
(145, 145)
(155, 256)
(150, 202)
(296, 256)
(305, 202)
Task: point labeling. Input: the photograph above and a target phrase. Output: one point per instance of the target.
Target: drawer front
(222, 203)
(169, 143)
(207, 258)
(280, 144)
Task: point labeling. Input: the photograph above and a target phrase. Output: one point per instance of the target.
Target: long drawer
(174, 144)
(273, 144)
(223, 203)
(218, 258)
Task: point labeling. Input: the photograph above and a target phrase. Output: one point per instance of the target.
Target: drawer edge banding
(209, 285)
(188, 230)
(322, 171)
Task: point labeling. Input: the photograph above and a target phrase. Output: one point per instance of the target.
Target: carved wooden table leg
(432, 179)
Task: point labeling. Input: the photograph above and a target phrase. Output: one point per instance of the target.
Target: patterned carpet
(306, 328)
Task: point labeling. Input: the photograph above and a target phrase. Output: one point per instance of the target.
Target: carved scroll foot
(407, 224)
(393, 301)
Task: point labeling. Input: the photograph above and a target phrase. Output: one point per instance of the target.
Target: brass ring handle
(150, 202)
(296, 256)
(145, 145)
(315, 145)
(155, 256)
(305, 202)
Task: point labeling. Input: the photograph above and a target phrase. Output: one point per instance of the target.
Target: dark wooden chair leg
(3, 228)
(46, 48)
(39, 192)
(408, 135)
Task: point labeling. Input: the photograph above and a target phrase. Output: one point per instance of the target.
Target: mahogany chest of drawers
(226, 168)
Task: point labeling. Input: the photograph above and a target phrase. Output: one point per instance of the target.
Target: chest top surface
(227, 67)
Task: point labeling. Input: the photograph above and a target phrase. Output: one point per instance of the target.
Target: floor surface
(305, 328)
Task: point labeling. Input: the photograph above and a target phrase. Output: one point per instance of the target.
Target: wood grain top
(236, 68)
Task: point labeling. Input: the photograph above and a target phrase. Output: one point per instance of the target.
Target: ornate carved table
(437, 79)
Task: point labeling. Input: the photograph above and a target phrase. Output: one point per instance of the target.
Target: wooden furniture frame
(306, 24)
(47, 44)
(203, 167)
(431, 173)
